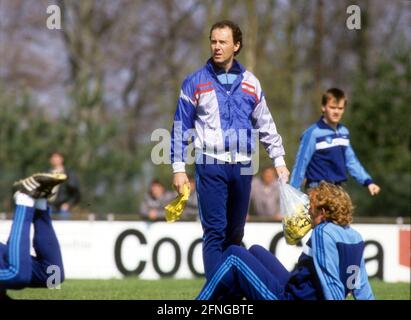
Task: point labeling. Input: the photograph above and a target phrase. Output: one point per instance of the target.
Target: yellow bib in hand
(296, 226)
(175, 208)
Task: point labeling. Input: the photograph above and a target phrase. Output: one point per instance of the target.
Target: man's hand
(179, 180)
(283, 173)
(373, 189)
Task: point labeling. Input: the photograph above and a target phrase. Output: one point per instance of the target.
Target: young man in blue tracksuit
(330, 267)
(325, 151)
(18, 269)
(222, 107)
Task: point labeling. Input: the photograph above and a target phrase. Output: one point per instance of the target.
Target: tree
(378, 119)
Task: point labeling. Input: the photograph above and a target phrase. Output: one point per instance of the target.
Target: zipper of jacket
(342, 149)
(226, 78)
(229, 99)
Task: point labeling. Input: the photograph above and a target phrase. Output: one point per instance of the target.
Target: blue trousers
(255, 274)
(223, 198)
(18, 269)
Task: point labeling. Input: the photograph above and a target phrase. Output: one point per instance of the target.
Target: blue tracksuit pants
(18, 269)
(255, 274)
(223, 197)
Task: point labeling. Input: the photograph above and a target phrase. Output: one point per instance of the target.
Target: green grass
(391, 291)
(127, 289)
(135, 289)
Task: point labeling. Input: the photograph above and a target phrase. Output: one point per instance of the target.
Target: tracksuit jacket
(326, 154)
(221, 120)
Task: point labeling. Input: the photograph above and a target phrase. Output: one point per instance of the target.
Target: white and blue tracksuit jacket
(221, 120)
(326, 154)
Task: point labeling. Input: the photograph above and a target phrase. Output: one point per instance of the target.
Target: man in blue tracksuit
(18, 269)
(330, 267)
(325, 151)
(222, 107)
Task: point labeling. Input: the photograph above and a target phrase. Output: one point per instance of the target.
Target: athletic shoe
(39, 185)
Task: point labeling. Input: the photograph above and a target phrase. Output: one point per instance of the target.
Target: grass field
(167, 289)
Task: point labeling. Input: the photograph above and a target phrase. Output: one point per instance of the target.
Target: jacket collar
(236, 68)
(322, 125)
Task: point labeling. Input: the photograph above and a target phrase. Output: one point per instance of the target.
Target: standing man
(325, 151)
(222, 105)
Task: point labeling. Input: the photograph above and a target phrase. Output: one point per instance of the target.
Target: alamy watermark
(54, 280)
(54, 20)
(227, 146)
(353, 21)
(353, 281)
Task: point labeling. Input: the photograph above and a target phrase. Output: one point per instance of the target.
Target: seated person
(330, 267)
(152, 207)
(264, 197)
(18, 269)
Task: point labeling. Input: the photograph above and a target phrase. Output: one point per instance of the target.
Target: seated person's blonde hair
(335, 201)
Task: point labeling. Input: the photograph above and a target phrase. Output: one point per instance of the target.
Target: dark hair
(333, 93)
(156, 181)
(236, 31)
(266, 168)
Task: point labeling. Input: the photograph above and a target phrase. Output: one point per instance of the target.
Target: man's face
(56, 160)
(157, 190)
(333, 111)
(222, 46)
(268, 176)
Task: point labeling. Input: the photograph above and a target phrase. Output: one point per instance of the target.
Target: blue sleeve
(364, 291)
(183, 123)
(304, 154)
(355, 168)
(326, 262)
